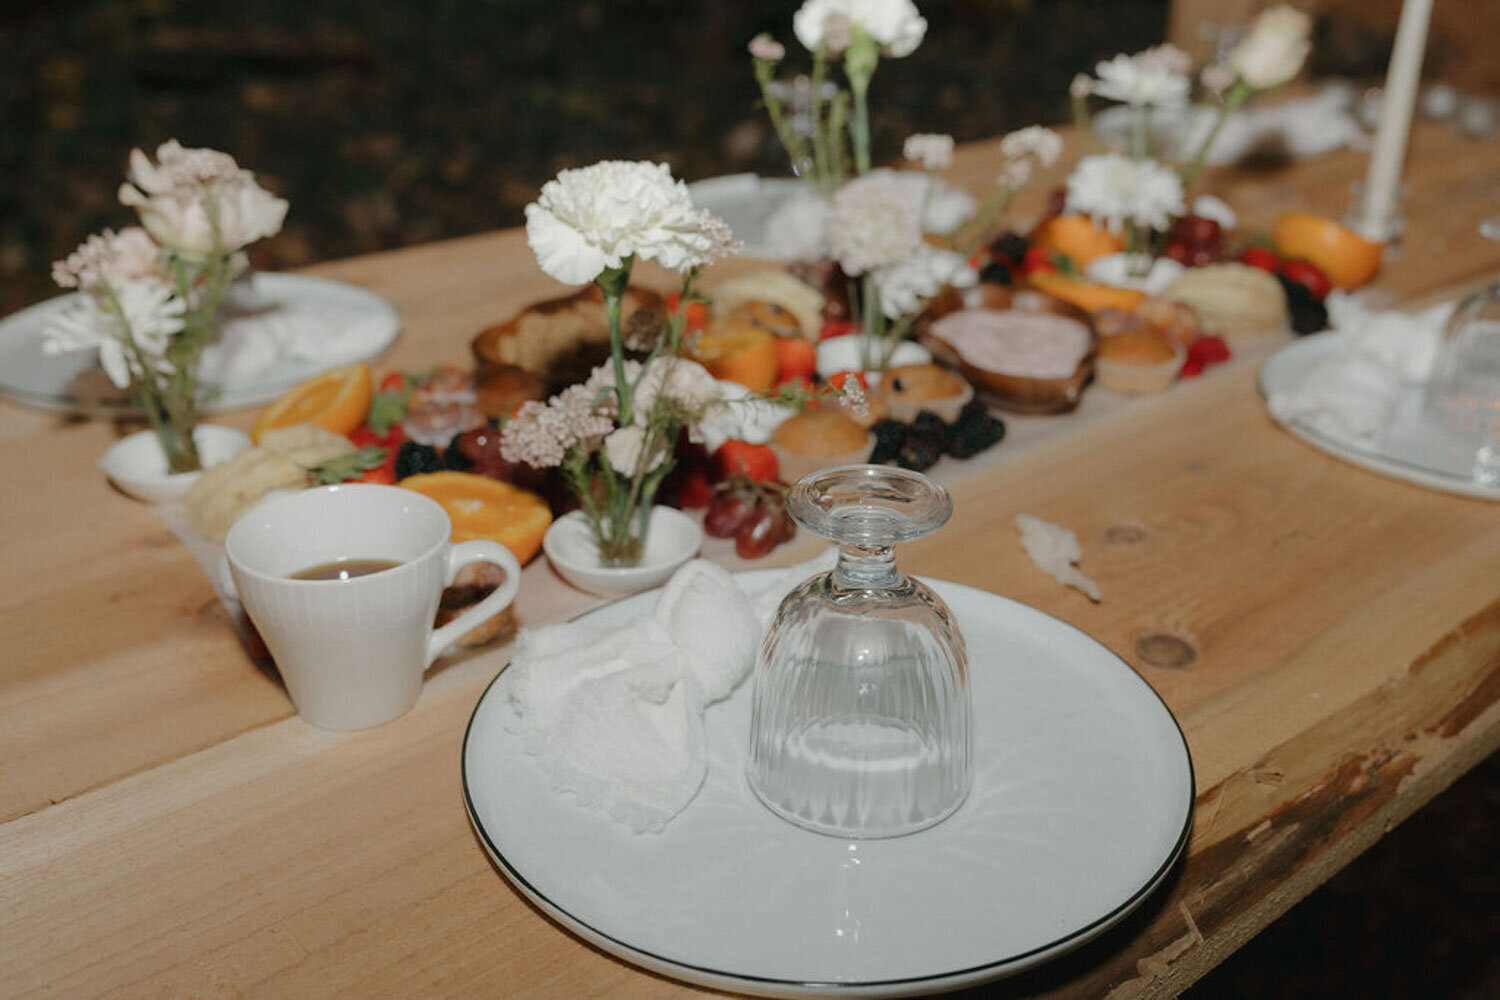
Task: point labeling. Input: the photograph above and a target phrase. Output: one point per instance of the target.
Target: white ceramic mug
(353, 652)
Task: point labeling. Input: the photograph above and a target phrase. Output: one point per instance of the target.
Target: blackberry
(1306, 312)
(924, 442)
(413, 458)
(890, 435)
(974, 431)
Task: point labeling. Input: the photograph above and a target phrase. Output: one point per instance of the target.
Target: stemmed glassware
(861, 717)
(1463, 394)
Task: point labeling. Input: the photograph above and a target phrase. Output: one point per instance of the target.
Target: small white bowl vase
(138, 466)
(671, 540)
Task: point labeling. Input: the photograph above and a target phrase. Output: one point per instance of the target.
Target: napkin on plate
(1351, 394)
(615, 715)
(261, 335)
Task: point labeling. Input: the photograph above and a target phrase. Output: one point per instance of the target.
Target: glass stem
(866, 567)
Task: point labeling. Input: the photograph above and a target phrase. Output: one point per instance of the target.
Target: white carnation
(597, 217)
(1147, 78)
(1117, 190)
(894, 24)
(872, 224)
(1274, 50)
(199, 201)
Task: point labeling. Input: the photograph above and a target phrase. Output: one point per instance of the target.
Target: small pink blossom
(763, 46)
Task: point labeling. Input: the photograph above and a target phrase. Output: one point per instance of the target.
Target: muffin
(819, 438)
(907, 390)
(1138, 362)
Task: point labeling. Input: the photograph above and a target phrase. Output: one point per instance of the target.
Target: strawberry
(837, 328)
(796, 357)
(1308, 276)
(756, 462)
(1261, 257)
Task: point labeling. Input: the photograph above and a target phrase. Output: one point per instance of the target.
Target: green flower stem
(972, 234)
(796, 148)
(860, 61)
(612, 282)
(1140, 132)
(820, 138)
(1237, 96)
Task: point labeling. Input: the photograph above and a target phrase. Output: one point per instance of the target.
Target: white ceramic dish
(138, 466)
(335, 324)
(1082, 802)
(673, 539)
(1412, 448)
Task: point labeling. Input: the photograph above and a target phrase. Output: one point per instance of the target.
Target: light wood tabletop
(170, 828)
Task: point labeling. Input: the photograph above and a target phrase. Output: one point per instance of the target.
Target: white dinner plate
(1082, 801)
(1411, 449)
(315, 324)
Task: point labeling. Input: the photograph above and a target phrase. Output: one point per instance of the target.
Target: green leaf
(346, 467)
(387, 409)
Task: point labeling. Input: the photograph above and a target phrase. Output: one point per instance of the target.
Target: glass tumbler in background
(860, 724)
(1463, 395)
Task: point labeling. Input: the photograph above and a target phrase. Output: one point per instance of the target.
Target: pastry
(501, 389)
(819, 437)
(906, 390)
(1138, 362)
(562, 340)
(775, 286)
(1232, 298)
(280, 461)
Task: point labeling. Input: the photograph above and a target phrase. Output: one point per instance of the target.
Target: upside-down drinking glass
(861, 710)
(1463, 394)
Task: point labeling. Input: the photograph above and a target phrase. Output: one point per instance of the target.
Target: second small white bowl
(672, 539)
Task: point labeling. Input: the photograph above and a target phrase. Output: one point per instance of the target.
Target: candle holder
(860, 718)
(1463, 394)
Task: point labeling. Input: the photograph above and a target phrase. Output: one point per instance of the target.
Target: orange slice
(481, 507)
(1087, 295)
(1346, 257)
(738, 353)
(336, 400)
(1078, 237)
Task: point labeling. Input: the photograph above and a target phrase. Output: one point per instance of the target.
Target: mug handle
(459, 556)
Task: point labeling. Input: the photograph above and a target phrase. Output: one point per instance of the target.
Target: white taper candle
(1383, 181)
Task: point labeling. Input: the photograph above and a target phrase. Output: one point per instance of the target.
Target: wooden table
(171, 828)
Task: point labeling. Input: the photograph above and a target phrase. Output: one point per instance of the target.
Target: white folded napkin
(615, 715)
(1351, 394)
(259, 337)
(1298, 127)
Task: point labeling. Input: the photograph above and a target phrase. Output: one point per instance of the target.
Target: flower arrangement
(151, 293)
(613, 436)
(874, 223)
(1135, 193)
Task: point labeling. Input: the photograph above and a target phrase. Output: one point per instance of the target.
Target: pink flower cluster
(541, 434)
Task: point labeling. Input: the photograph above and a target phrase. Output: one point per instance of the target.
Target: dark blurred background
(393, 122)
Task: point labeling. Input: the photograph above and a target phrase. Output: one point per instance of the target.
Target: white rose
(623, 449)
(198, 201)
(872, 224)
(595, 218)
(1274, 50)
(894, 24)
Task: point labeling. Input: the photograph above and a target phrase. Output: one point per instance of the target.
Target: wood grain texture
(1329, 640)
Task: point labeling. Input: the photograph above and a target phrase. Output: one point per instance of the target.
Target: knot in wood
(1165, 651)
